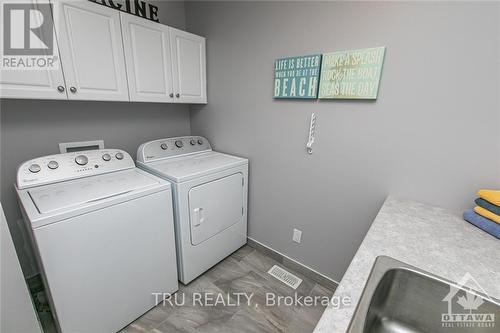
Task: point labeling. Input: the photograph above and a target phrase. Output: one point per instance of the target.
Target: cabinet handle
(72, 89)
(171, 95)
(177, 95)
(60, 89)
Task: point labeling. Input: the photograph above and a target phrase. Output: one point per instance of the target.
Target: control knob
(192, 142)
(81, 160)
(53, 165)
(164, 146)
(34, 168)
(119, 156)
(179, 144)
(200, 141)
(106, 157)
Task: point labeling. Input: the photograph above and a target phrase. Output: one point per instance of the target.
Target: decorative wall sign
(353, 74)
(297, 77)
(136, 7)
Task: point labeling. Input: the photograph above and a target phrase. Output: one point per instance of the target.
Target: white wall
(433, 135)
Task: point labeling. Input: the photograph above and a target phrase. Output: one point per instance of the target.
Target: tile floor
(245, 271)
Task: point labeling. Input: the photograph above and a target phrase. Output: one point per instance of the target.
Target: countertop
(433, 239)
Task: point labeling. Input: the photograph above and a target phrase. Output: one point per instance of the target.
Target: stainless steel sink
(399, 298)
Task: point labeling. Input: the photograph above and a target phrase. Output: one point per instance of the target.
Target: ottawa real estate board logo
(28, 37)
(466, 309)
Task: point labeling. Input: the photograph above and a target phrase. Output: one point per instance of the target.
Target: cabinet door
(91, 50)
(189, 67)
(37, 84)
(147, 56)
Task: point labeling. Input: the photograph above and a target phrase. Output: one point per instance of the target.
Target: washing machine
(210, 199)
(103, 233)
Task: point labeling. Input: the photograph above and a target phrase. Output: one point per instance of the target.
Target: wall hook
(312, 130)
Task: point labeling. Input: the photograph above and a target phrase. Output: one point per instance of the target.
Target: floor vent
(284, 276)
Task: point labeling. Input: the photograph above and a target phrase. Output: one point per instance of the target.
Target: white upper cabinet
(36, 84)
(148, 60)
(39, 84)
(108, 55)
(91, 50)
(189, 67)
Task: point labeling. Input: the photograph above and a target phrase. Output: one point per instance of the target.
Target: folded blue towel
(488, 206)
(483, 223)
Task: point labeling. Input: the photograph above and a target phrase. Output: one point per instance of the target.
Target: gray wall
(433, 135)
(31, 128)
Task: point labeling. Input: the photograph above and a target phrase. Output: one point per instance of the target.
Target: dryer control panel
(60, 167)
(171, 147)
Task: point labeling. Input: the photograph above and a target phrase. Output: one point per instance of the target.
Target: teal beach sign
(297, 77)
(353, 74)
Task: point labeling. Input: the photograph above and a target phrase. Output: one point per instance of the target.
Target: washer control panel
(171, 147)
(60, 167)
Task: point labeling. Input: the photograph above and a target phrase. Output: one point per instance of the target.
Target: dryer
(210, 199)
(103, 234)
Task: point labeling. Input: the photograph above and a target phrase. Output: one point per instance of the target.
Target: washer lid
(180, 169)
(50, 198)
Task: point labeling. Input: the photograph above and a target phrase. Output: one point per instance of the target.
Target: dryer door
(215, 206)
